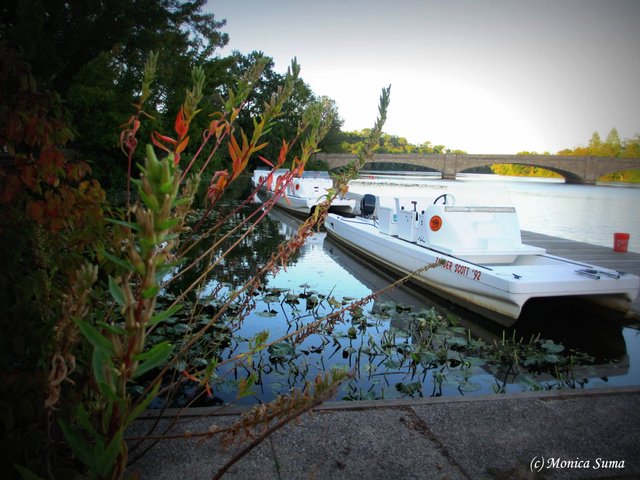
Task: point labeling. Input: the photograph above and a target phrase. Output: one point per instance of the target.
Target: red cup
(620, 242)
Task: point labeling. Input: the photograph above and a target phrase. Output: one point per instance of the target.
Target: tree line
(612, 147)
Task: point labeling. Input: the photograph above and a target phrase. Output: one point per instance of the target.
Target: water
(323, 274)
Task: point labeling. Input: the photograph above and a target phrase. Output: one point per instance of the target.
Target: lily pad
(551, 347)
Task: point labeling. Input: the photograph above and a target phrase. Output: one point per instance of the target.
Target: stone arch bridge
(581, 170)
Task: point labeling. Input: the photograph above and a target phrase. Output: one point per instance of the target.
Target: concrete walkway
(551, 435)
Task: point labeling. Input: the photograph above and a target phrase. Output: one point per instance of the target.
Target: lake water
(323, 274)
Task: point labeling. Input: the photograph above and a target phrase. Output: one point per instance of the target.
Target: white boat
(481, 261)
(300, 195)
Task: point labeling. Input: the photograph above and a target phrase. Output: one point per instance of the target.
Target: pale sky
(485, 76)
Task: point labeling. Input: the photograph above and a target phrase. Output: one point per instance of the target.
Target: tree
(91, 52)
(59, 38)
(331, 142)
(613, 145)
(267, 86)
(595, 142)
(632, 148)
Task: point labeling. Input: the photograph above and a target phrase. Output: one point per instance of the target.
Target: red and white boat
(301, 194)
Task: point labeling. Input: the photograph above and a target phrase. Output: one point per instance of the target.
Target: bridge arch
(569, 176)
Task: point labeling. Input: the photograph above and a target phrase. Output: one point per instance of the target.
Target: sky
(484, 76)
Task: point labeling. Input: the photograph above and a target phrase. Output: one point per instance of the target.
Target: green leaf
(112, 328)
(182, 201)
(427, 358)
(167, 224)
(551, 358)
(26, 474)
(106, 458)
(84, 421)
(409, 388)
(458, 341)
(391, 364)
(116, 291)
(181, 328)
(281, 350)
(96, 339)
(535, 386)
(133, 226)
(352, 333)
(551, 347)
(151, 292)
(162, 316)
(101, 363)
(213, 364)
(150, 201)
(270, 299)
(166, 187)
(110, 394)
(78, 444)
(153, 358)
(244, 386)
(128, 266)
(258, 341)
(469, 386)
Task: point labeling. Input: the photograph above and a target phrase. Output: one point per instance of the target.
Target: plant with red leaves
(151, 241)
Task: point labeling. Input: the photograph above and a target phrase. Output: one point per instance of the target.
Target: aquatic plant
(391, 350)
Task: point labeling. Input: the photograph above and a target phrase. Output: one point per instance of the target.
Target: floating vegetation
(391, 351)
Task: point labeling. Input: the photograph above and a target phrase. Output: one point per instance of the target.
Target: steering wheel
(447, 199)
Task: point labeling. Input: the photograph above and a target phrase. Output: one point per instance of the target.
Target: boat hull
(498, 292)
(303, 207)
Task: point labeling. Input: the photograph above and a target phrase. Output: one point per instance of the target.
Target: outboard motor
(367, 205)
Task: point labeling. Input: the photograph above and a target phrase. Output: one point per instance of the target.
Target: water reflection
(250, 253)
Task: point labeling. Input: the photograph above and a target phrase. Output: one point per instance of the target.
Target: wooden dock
(628, 262)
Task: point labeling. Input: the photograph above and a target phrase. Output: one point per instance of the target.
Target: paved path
(558, 435)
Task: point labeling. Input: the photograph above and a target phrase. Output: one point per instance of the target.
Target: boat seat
(399, 216)
(408, 224)
(478, 234)
(386, 212)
